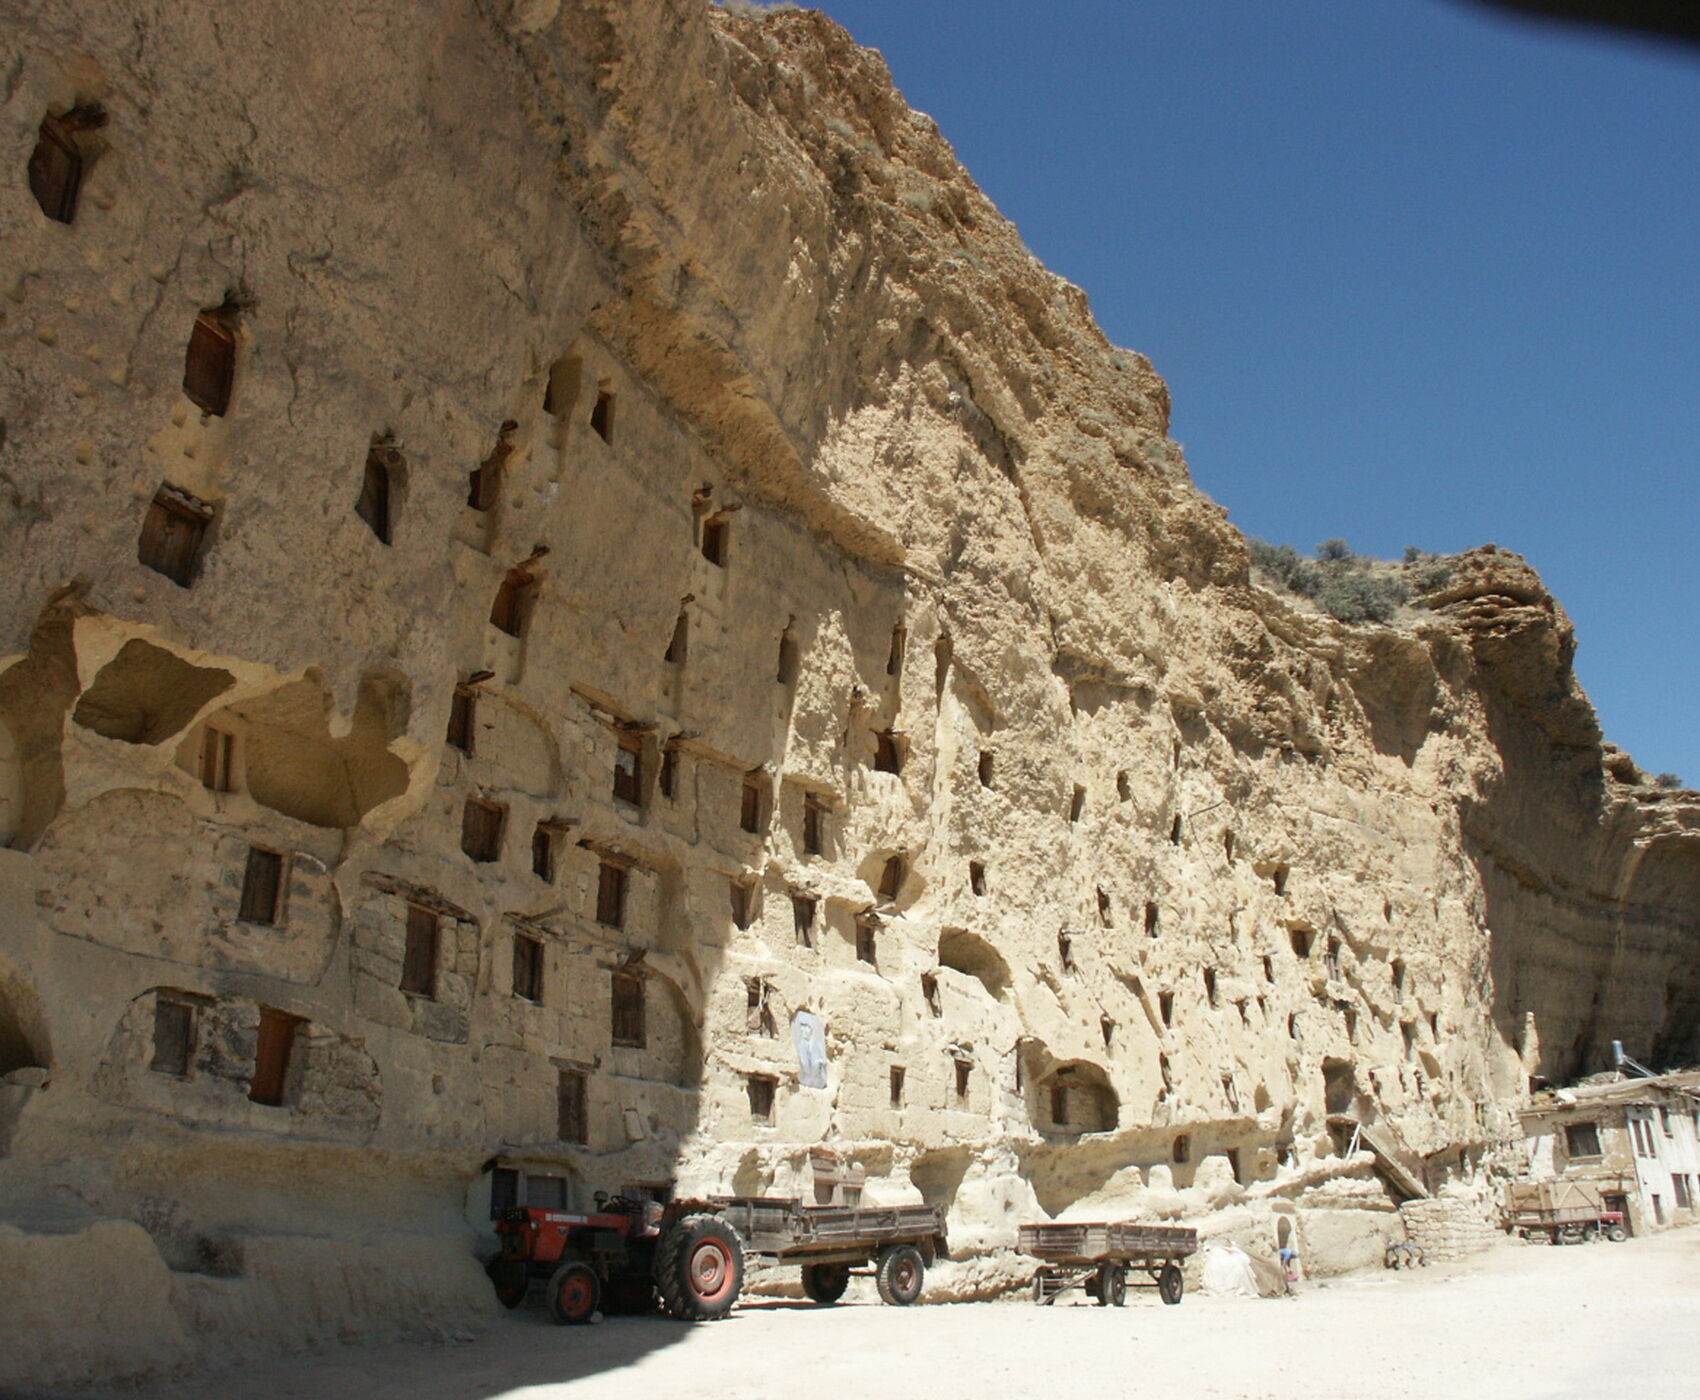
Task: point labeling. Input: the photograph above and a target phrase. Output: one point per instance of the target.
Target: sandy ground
(1517, 1323)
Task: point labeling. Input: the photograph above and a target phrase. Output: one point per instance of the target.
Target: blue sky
(1415, 273)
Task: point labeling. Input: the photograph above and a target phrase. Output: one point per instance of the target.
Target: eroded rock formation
(820, 620)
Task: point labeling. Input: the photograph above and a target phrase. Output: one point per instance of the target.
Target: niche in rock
(146, 694)
(938, 1175)
(22, 1045)
(295, 766)
(1339, 1085)
(969, 953)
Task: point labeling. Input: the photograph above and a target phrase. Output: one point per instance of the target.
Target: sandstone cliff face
(821, 621)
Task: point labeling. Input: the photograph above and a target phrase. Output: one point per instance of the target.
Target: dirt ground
(1516, 1323)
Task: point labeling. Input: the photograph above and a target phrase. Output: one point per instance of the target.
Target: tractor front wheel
(900, 1274)
(573, 1293)
(699, 1268)
(825, 1283)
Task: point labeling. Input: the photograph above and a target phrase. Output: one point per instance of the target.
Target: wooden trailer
(896, 1243)
(1564, 1212)
(1099, 1257)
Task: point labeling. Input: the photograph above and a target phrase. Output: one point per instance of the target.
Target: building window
(669, 777)
(209, 363)
(888, 753)
(679, 644)
(419, 957)
(628, 770)
(173, 1037)
(481, 829)
(378, 485)
(273, 1049)
(463, 715)
(611, 894)
(743, 895)
(894, 660)
(788, 658)
(543, 852)
(1059, 1103)
(814, 817)
(528, 967)
(1301, 942)
(750, 805)
(716, 532)
(484, 486)
(218, 755)
(57, 163)
(512, 607)
(627, 1010)
(602, 415)
(758, 1016)
(173, 532)
(891, 877)
(1664, 1122)
(964, 1068)
(1183, 1148)
(897, 1073)
(504, 1191)
(262, 887)
(803, 908)
(1233, 1155)
(760, 1088)
(1680, 1191)
(570, 1116)
(977, 876)
(866, 938)
(930, 994)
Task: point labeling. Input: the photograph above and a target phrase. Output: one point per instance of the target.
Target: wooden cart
(1565, 1212)
(830, 1242)
(1098, 1259)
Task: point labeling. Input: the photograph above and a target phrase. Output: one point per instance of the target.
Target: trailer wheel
(573, 1292)
(1170, 1284)
(699, 1268)
(825, 1283)
(511, 1280)
(900, 1274)
(1616, 1234)
(1112, 1286)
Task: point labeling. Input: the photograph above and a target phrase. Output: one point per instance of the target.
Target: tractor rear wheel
(900, 1274)
(511, 1280)
(699, 1268)
(1170, 1284)
(1616, 1233)
(573, 1293)
(825, 1283)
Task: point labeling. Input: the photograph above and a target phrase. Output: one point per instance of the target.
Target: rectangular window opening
(512, 606)
(716, 533)
(602, 415)
(262, 887)
(571, 1120)
(888, 756)
(964, 1069)
(627, 1010)
(742, 894)
(528, 967)
(463, 716)
(814, 820)
(611, 894)
(867, 933)
(977, 876)
(419, 958)
(628, 770)
(894, 660)
(218, 754)
(377, 483)
(750, 804)
(484, 486)
(761, 1091)
(758, 1017)
(209, 363)
(543, 853)
(481, 829)
(803, 919)
(897, 1074)
(173, 532)
(173, 1037)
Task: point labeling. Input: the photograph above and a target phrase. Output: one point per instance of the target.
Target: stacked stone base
(1446, 1228)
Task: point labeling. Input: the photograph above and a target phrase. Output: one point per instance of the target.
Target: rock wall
(549, 539)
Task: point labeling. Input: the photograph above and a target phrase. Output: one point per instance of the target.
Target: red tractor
(627, 1255)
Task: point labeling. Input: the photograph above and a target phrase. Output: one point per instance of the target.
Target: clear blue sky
(1415, 273)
